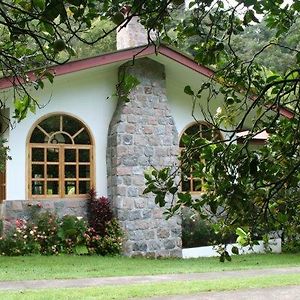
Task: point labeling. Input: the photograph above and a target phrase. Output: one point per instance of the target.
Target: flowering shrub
(99, 212)
(108, 244)
(71, 231)
(46, 228)
(20, 241)
(46, 234)
(104, 237)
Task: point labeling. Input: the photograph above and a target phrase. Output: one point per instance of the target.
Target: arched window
(60, 158)
(190, 183)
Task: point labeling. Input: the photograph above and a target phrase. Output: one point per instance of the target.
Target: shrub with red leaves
(99, 212)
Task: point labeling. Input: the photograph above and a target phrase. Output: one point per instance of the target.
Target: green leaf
(235, 250)
(173, 190)
(49, 76)
(298, 57)
(222, 258)
(227, 256)
(241, 240)
(188, 90)
(240, 232)
(296, 5)
(160, 199)
(39, 3)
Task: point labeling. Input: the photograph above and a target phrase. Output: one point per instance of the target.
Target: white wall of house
(177, 77)
(82, 94)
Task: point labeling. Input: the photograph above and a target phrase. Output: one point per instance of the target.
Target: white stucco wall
(82, 94)
(177, 77)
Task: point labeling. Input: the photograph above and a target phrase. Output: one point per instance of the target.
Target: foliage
(44, 233)
(258, 190)
(104, 235)
(20, 241)
(109, 243)
(46, 227)
(107, 44)
(197, 232)
(3, 154)
(99, 212)
(278, 56)
(71, 230)
(1, 227)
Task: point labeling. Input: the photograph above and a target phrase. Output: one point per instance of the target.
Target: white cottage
(81, 139)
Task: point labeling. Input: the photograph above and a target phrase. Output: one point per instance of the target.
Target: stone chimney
(142, 134)
(133, 35)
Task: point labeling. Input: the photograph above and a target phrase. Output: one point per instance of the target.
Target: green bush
(46, 229)
(197, 232)
(1, 228)
(291, 246)
(19, 241)
(71, 230)
(46, 234)
(107, 244)
(104, 237)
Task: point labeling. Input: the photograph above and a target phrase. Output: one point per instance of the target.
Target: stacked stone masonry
(133, 35)
(18, 209)
(142, 134)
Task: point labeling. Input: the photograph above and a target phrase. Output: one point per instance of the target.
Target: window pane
(186, 169)
(206, 132)
(193, 130)
(51, 124)
(70, 171)
(37, 136)
(37, 188)
(71, 125)
(53, 154)
(197, 185)
(60, 138)
(52, 187)
(84, 155)
(52, 171)
(37, 154)
(70, 155)
(37, 171)
(186, 185)
(84, 171)
(70, 187)
(84, 187)
(82, 138)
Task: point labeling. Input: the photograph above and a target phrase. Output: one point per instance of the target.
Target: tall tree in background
(258, 189)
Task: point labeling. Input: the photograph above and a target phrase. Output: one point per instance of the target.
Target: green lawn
(51, 267)
(149, 290)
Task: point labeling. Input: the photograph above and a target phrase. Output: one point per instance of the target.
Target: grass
(64, 267)
(149, 290)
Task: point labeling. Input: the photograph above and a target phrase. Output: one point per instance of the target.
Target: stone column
(142, 134)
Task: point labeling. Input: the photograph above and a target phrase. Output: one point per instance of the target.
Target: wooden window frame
(60, 162)
(190, 178)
